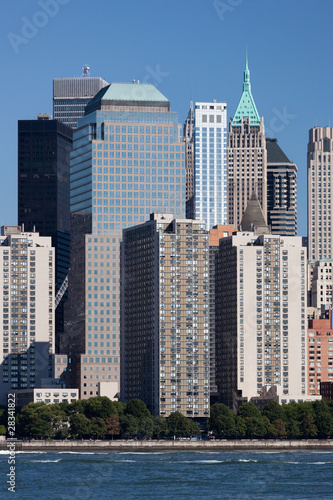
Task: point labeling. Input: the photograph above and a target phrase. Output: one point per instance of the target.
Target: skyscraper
(210, 163)
(246, 156)
(27, 309)
(281, 191)
(320, 165)
(71, 96)
(128, 161)
(44, 148)
(165, 315)
(188, 138)
(260, 314)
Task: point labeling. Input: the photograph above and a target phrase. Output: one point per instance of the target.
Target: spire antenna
(191, 101)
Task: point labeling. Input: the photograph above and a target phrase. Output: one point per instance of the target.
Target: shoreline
(171, 445)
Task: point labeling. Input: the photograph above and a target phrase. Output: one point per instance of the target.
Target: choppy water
(170, 475)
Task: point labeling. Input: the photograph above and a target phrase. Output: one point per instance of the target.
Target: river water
(170, 475)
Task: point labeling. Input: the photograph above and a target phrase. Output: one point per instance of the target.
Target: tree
(179, 425)
(323, 419)
(79, 425)
(146, 427)
(273, 411)
(248, 410)
(129, 425)
(160, 426)
(100, 406)
(40, 420)
(113, 426)
(221, 421)
(137, 409)
(308, 427)
(2, 430)
(98, 427)
(280, 427)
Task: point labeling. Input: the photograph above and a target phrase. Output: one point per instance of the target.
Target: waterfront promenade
(172, 445)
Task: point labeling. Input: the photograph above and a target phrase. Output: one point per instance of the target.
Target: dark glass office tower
(281, 191)
(44, 147)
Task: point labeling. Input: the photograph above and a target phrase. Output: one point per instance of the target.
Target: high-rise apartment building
(246, 156)
(44, 148)
(260, 314)
(215, 234)
(27, 309)
(165, 315)
(281, 191)
(128, 161)
(320, 159)
(210, 163)
(71, 96)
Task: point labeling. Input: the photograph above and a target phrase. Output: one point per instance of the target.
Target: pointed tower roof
(253, 215)
(246, 106)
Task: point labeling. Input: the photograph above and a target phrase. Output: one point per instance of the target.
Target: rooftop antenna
(86, 70)
(191, 102)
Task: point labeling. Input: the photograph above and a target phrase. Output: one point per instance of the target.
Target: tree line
(96, 418)
(100, 418)
(307, 420)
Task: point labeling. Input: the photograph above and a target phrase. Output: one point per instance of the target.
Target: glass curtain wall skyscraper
(128, 161)
(210, 163)
(44, 148)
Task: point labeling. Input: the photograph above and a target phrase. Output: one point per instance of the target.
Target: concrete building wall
(261, 339)
(165, 318)
(27, 305)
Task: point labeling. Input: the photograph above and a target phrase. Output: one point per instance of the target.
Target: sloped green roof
(246, 107)
(127, 92)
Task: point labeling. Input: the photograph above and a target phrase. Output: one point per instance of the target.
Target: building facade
(165, 315)
(44, 148)
(215, 234)
(319, 161)
(320, 351)
(128, 161)
(260, 318)
(27, 306)
(281, 191)
(321, 283)
(246, 156)
(210, 163)
(71, 96)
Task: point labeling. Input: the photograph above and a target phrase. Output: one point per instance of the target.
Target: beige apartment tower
(260, 333)
(165, 315)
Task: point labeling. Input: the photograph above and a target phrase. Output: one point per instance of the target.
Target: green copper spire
(246, 106)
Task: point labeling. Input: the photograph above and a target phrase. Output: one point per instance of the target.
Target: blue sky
(162, 42)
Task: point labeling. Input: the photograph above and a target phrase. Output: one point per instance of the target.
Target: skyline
(122, 43)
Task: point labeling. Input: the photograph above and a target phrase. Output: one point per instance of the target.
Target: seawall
(172, 445)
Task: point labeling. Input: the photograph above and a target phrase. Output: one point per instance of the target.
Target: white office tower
(210, 164)
(260, 314)
(27, 309)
